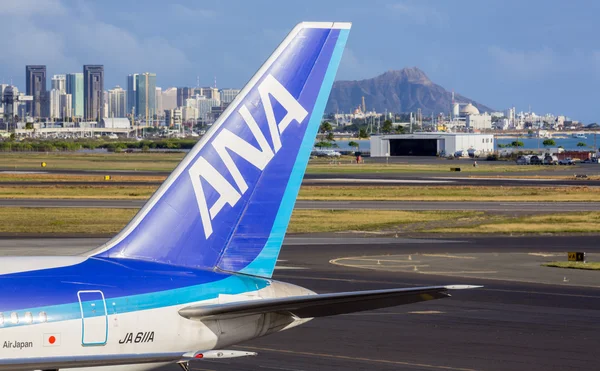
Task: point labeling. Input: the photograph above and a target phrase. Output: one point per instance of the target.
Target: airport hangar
(430, 144)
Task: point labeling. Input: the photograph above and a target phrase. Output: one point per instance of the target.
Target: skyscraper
(66, 106)
(117, 102)
(228, 95)
(59, 82)
(93, 87)
(169, 98)
(131, 94)
(146, 96)
(75, 88)
(159, 102)
(35, 77)
(183, 94)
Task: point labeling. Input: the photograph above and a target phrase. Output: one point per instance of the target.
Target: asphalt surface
(490, 179)
(395, 180)
(335, 205)
(503, 326)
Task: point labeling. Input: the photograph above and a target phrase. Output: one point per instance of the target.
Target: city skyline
(503, 53)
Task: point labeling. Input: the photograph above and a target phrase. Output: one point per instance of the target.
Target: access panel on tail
(228, 203)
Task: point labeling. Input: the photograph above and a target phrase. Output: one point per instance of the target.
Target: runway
(503, 326)
(335, 205)
(566, 177)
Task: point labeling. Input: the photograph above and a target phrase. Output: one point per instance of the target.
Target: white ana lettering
(227, 141)
(227, 194)
(257, 157)
(270, 86)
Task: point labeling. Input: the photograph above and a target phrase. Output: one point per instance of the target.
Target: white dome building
(468, 110)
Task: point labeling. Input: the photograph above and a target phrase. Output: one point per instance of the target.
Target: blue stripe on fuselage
(128, 286)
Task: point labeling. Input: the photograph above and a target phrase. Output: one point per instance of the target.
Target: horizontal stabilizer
(311, 306)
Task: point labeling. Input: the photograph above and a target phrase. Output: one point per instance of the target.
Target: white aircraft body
(191, 274)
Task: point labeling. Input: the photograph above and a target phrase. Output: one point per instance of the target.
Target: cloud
(179, 10)
(31, 7)
(417, 12)
(521, 64)
(355, 67)
(76, 36)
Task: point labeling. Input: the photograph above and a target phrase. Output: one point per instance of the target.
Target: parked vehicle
(536, 160)
(524, 160)
(550, 160)
(591, 160)
(566, 161)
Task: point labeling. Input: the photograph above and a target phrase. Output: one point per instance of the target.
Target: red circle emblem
(52, 340)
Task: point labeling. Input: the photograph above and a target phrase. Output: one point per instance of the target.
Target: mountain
(404, 90)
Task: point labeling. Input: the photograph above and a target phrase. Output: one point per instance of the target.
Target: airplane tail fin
(228, 204)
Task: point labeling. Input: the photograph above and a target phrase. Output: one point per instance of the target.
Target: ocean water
(566, 143)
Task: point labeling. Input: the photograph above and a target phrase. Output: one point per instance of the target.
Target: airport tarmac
(507, 325)
(336, 205)
(567, 176)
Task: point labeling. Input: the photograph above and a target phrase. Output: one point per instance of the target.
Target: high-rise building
(131, 94)
(117, 102)
(203, 107)
(146, 96)
(159, 102)
(2, 88)
(208, 93)
(173, 117)
(35, 77)
(183, 94)
(93, 90)
(55, 103)
(66, 106)
(169, 98)
(228, 95)
(74, 82)
(59, 82)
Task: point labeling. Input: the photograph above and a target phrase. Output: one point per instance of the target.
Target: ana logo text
(227, 141)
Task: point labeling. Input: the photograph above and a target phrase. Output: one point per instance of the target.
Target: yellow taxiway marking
(361, 359)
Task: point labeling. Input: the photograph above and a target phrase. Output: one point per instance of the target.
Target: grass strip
(329, 193)
(77, 192)
(449, 193)
(537, 224)
(167, 161)
(63, 220)
(593, 266)
(313, 221)
(56, 178)
(111, 221)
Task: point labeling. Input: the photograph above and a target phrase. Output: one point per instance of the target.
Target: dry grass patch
(16, 177)
(87, 221)
(549, 223)
(574, 265)
(84, 161)
(77, 192)
(311, 221)
(449, 193)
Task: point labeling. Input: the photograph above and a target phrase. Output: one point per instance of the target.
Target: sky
(543, 54)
